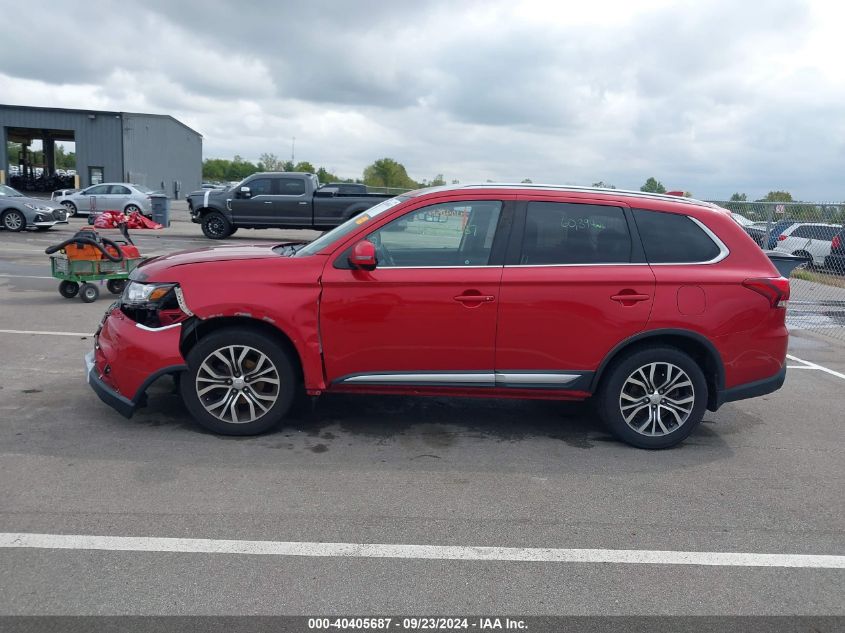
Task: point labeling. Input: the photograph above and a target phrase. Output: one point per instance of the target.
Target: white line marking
(799, 367)
(426, 552)
(45, 333)
(24, 276)
(816, 366)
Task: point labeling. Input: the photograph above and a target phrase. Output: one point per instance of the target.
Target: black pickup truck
(288, 200)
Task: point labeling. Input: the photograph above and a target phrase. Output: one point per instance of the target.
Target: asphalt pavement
(762, 476)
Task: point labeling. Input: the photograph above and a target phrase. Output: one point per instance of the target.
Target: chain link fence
(813, 230)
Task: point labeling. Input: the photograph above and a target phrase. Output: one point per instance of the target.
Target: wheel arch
(199, 328)
(696, 345)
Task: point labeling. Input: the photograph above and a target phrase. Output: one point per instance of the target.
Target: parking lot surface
(762, 476)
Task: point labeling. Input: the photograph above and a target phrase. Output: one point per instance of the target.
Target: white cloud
(712, 97)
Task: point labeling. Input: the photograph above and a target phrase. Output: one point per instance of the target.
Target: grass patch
(828, 279)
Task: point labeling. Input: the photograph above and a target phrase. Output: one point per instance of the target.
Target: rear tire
(71, 208)
(215, 226)
(239, 382)
(68, 289)
(89, 293)
(653, 398)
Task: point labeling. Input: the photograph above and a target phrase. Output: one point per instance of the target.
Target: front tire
(14, 221)
(653, 398)
(215, 226)
(239, 382)
(132, 208)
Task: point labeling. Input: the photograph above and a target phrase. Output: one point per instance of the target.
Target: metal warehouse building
(148, 149)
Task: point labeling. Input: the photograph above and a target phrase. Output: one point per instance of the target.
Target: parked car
(656, 307)
(106, 196)
(777, 228)
(808, 239)
(18, 212)
(835, 261)
(290, 200)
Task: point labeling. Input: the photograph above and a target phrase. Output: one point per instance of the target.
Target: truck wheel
(653, 398)
(215, 226)
(239, 382)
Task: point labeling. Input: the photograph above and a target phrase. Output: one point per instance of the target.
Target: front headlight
(154, 305)
(138, 293)
(35, 207)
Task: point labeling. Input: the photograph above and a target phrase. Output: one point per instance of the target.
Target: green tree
(65, 160)
(777, 196)
(324, 176)
(528, 180)
(305, 167)
(386, 172)
(601, 184)
(437, 181)
(739, 197)
(270, 162)
(652, 185)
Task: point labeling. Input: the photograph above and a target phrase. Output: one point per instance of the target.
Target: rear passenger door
(119, 196)
(291, 202)
(574, 285)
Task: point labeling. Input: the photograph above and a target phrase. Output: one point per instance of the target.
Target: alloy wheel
(657, 399)
(237, 384)
(13, 221)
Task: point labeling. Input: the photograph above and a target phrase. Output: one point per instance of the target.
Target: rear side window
(564, 233)
(671, 238)
(291, 187)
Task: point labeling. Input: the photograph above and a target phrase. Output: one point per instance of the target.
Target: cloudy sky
(708, 96)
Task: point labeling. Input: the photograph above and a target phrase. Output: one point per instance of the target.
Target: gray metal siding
(160, 150)
(97, 136)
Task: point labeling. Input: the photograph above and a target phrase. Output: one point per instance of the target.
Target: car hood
(154, 267)
(47, 204)
(212, 193)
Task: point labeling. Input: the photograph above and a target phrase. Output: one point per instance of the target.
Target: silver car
(18, 212)
(108, 196)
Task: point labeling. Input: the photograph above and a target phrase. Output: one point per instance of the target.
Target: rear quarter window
(672, 238)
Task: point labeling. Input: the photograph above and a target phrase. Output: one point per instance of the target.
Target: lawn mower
(88, 257)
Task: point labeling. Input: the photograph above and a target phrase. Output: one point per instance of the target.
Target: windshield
(350, 225)
(8, 191)
(144, 189)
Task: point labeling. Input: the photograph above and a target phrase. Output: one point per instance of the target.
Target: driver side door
(426, 316)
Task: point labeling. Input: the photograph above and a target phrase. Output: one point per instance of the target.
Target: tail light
(835, 243)
(781, 237)
(774, 289)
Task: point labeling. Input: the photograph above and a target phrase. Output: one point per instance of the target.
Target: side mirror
(244, 192)
(363, 256)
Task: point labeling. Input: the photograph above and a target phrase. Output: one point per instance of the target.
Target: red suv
(658, 307)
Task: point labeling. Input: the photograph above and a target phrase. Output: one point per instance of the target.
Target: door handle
(629, 298)
(474, 298)
(304, 202)
(268, 202)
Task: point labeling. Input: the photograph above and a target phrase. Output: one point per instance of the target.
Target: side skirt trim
(514, 379)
